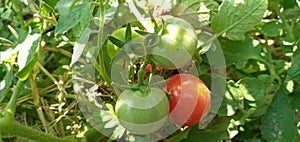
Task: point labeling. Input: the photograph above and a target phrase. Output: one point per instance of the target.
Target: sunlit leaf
(28, 55)
(249, 88)
(80, 45)
(236, 17)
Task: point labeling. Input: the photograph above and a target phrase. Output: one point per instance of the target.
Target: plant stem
(47, 73)
(62, 92)
(285, 23)
(246, 114)
(142, 71)
(198, 61)
(13, 128)
(271, 69)
(10, 109)
(152, 72)
(101, 68)
(19, 12)
(36, 101)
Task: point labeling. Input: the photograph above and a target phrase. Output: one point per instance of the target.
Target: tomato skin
(190, 99)
(177, 45)
(120, 35)
(142, 113)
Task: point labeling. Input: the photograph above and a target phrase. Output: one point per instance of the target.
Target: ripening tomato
(142, 112)
(190, 99)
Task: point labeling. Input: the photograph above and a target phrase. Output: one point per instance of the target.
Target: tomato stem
(153, 68)
(270, 66)
(10, 109)
(13, 128)
(101, 67)
(198, 62)
(142, 71)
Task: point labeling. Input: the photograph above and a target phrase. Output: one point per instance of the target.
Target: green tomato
(120, 35)
(142, 112)
(177, 44)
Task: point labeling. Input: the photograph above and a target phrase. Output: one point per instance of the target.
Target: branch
(10, 109)
(13, 128)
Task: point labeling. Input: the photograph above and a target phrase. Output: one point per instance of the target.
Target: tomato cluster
(142, 109)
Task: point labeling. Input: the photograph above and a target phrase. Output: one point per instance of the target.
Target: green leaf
(80, 45)
(92, 135)
(279, 122)
(6, 82)
(8, 54)
(128, 34)
(231, 100)
(121, 15)
(237, 17)
(50, 3)
(28, 55)
(111, 121)
(73, 13)
(178, 137)
(296, 30)
(272, 29)
(116, 41)
(295, 100)
(48, 6)
(249, 88)
(289, 4)
(294, 71)
(211, 134)
(239, 52)
(118, 132)
(291, 14)
(196, 11)
(6, 14)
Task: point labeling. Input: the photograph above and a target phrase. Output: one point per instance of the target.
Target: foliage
(43, 42)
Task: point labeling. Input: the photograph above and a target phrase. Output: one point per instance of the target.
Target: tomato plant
(177, 44)
(142, 112)
(58, 82)
(189, 100)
